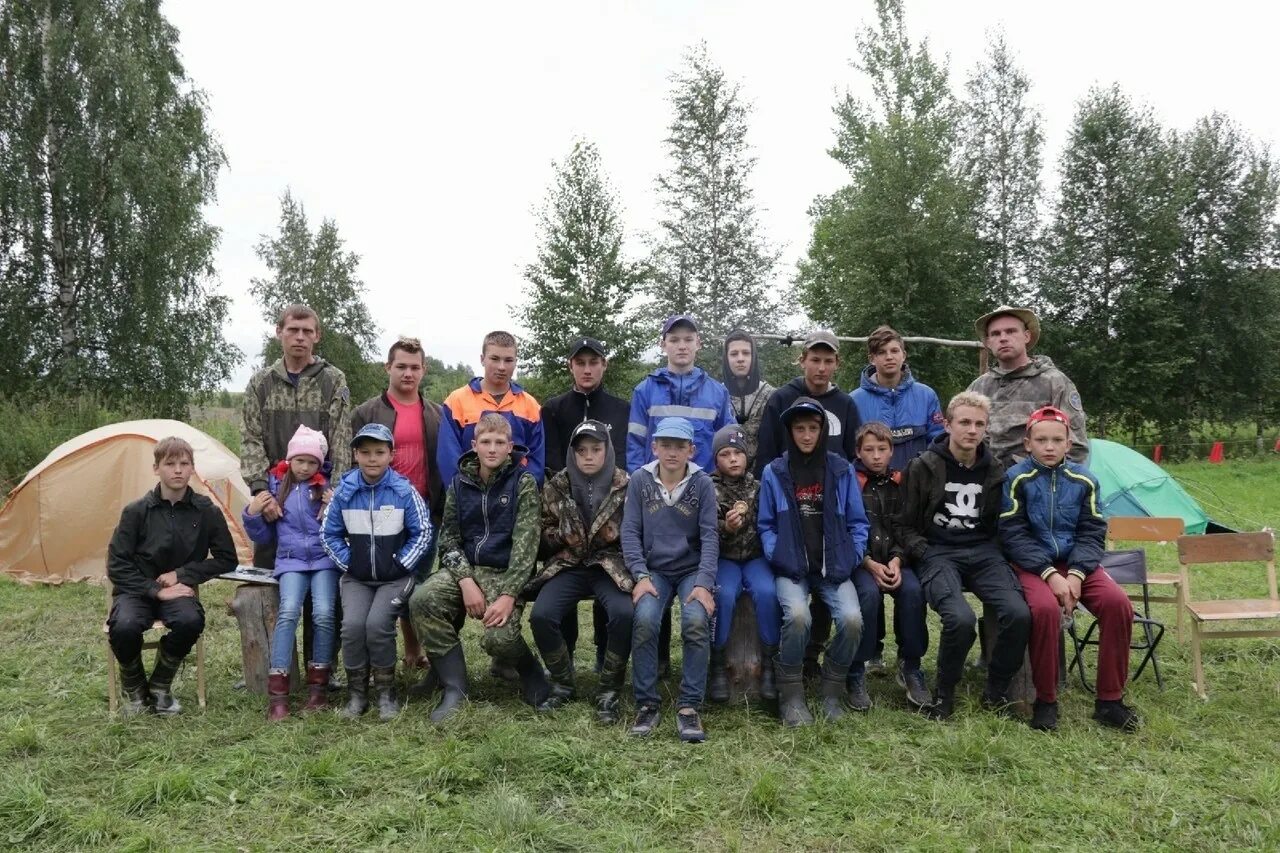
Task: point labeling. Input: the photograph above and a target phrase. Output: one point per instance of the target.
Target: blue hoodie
(911, 412)
(379, 531)
(695, 396)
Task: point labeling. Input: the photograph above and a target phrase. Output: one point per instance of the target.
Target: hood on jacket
(1038, 364)
(589, 492)
(805, 405)
(318, 364)
(868, 382)
(741, 386)
(942, 446)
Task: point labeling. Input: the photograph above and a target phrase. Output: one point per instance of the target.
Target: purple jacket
(299, 547)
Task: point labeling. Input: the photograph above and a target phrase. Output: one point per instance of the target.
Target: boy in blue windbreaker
(376, 530)
(814, 533)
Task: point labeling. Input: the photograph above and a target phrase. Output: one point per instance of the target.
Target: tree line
(1154, 260)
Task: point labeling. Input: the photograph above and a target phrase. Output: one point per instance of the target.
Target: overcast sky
(427, 131)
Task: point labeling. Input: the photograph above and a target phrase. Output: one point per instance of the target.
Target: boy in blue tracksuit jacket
(814, 533)
(376, 530)
(891, 395)
(680, 389)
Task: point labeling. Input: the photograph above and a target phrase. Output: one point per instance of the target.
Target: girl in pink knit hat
(302, 566)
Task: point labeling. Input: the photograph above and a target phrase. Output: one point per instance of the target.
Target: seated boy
(670, 544)
(488, 548)
(948, 526)
(884, 571)
(814, 532)
(742, 566)
(376, 530)
(582, 553)
(1053, 532)
(167, 543)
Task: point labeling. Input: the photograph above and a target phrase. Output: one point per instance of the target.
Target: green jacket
(566, 541)
(274, 408)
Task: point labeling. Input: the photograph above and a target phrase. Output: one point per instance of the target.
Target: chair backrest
(1126, 567)
(1142, 529)
(1229, 548)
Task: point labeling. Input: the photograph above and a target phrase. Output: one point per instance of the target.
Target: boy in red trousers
(1053, 532)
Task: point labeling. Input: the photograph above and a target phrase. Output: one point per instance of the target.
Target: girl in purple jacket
(288, 513)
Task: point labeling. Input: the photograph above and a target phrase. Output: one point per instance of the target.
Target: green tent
(1133, 485)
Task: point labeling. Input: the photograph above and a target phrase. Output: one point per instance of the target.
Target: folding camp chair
(1127, 568)
(1159, 530)
(113, 678)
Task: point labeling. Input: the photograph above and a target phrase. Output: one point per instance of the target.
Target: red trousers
(1109, 605)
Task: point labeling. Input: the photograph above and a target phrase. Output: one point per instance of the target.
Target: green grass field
(1200, 775)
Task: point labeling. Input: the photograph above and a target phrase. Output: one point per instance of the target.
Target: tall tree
(709, 256)
(106, 165)
(1109, 273)
(897, 244)
(1003, 138)
(313, 268)
(581, 283)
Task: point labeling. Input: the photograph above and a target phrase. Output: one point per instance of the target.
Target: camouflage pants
(436, 606)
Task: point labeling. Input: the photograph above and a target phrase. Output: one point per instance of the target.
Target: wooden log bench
(743, 658)
(255, 606)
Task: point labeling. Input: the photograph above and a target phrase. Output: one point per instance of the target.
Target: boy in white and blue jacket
(376, 530)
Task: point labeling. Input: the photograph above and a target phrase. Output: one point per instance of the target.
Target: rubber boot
(791, 707)
(133, 680)
(534, 687)
(560, 665)
(384, 691)
(277, 696)
(161, 685)
(317, 687)
(944, 703)
(612, 672)
(834, 690)
(451, 668)
(718, 678)
(768, 684)
(426, 686)
(357, 693)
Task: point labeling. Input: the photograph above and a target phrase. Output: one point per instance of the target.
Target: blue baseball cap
(674, 428)
(376, 432)
(675, 320)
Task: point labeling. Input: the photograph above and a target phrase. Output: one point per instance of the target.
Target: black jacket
(155, 536)
(923, 491)
(842, 423)
(378, 410)
(881, 499)
(565, 411)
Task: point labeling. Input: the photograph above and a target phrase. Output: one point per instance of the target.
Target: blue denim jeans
(294, 586)
(756, 579)
(841, 600)
(908, 617)
(695, 633)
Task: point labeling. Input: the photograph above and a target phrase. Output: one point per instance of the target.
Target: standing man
(1019, 383)
(586, 400)
(298, 389)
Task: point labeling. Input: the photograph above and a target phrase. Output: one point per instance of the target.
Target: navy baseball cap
(675, 320)
(374, 432)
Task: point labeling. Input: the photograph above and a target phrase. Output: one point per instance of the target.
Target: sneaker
(689, 726)
(1044, 716)
(876, 666)
(912, 680)
(647, 717)
(1117, 715)
(859, 698)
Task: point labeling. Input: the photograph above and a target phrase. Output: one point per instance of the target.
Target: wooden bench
(255, 605)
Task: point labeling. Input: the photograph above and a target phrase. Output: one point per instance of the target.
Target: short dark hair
(413, 346)
(875, 429)
(173, 446)
(881, 338)
(297, 311)
(498, 339)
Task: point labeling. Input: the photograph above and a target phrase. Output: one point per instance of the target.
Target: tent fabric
(1133, 485)
(57, 522)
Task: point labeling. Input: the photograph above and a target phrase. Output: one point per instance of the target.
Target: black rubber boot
(357, 693)
(451, 668)
(613, 671)
(133, 680)
(161, 685)
(995, 697)
(426, 686)
(534, 687)
(834, 690)
(791, 708)
(718, 678)
(560, 664)
(384, 691)
(943, 705)
(1044, 716)
(768, 684)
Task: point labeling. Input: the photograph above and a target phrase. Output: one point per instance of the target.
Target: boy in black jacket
(167, 543)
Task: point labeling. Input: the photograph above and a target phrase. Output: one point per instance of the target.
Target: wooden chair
(1159, 530)
(1227, 548)
(113, 677)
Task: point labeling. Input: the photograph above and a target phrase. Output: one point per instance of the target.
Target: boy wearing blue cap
(376, 530)
(671, 544)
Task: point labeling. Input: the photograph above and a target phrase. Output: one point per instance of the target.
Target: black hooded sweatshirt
(842, 423)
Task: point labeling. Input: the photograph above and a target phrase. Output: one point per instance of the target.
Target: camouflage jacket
(567, 543)
(494, 580)
(1016, 393)
(750, 412)
(274, 408)
(743, 543)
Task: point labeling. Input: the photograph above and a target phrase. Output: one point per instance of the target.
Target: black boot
(791, 707)
(133, 680)
(612, 672)
(995, 697)
(834, 689)
(426, 686)
(718, 680)
(943, 705)
(768, 684)
(384, 691)
(452, 671)
(534, 687)
(1044, 716)
(161, 685)
(357, 693)
(560, 664)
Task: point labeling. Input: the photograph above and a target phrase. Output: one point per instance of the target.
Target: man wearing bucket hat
(1018, 383)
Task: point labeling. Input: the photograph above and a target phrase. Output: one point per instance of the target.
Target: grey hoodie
(589, 492)
(671, 533)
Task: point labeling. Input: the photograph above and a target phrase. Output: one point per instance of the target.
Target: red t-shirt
(411, 447)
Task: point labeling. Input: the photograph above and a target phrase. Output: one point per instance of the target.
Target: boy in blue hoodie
(671, 546)
(814, 533)
(376, 530)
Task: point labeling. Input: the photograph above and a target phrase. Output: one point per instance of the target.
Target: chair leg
(1181, 605)
(113, 689)
(1077, 660)
(1148, 629)
(1196, 663)
(200, 689)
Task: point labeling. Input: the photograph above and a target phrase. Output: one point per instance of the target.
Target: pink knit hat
(308, 442)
